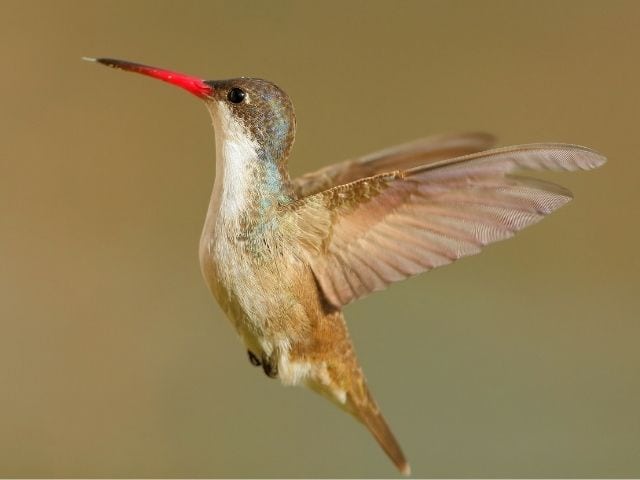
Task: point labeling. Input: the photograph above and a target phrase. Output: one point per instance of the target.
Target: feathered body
(282, 257)
(260, 278)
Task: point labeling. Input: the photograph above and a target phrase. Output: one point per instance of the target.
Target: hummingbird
(282, 256)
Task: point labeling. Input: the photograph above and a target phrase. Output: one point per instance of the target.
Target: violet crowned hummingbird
(283, 256)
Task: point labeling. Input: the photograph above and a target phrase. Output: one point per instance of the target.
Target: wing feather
(388, 227)
(400, 157)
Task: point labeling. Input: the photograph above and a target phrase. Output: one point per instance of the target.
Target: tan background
(115, 361)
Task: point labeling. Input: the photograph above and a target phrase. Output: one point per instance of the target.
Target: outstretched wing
(362, 236)
(400, 157)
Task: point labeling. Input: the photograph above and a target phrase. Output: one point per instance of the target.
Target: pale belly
(266, 301)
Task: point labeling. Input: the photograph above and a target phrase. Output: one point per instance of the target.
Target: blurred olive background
(114, 358)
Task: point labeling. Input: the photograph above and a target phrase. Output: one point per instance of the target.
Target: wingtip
(585, 158)
(600, 159)
(594, 158)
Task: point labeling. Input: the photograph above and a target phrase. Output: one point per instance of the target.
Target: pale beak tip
(89, 59)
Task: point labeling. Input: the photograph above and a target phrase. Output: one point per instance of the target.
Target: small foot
(270, 368)
(253, 359)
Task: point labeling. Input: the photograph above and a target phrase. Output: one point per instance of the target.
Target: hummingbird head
(246, 110)
(259, 109)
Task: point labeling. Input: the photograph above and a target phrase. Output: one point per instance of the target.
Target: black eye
(236, 95)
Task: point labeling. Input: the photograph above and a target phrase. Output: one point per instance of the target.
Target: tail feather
(336, 375)
(370, 416)
(358, 401)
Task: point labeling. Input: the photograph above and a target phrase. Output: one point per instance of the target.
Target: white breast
(228, 270)
(236, 157)
(237, 278)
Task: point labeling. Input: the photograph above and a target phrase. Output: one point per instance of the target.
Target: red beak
(193, 85)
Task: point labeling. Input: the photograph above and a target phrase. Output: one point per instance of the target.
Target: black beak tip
(109, 62)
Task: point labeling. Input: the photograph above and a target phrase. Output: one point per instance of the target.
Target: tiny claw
(270, 369)
(253, 359)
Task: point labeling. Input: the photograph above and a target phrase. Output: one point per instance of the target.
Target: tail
(354, 397)
(336, 375)
(369, 414)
